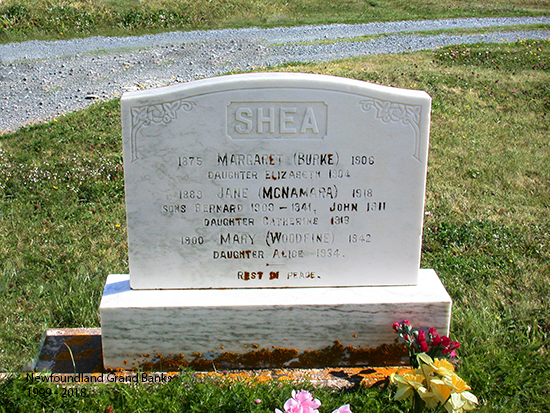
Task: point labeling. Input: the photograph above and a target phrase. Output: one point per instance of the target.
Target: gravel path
(41, 80)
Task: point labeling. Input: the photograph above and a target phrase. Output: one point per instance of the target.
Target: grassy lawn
(60, 19)
(62, 230)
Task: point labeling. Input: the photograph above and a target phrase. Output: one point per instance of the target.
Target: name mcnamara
(294, 192)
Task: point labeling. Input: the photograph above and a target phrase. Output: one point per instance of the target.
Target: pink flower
(343, 409)
(407, 322)
(445, 341)
(301, 402)
(396, 326)
(292, 409)
(305, 399)
(424, 347)
(257, 401)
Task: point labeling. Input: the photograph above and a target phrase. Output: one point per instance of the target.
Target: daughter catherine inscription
(274, 180)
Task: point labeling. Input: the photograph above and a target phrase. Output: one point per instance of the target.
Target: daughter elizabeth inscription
(274, 180)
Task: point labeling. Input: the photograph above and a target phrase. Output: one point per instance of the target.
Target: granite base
(261, 327)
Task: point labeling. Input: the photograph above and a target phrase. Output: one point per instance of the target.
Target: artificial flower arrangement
(433, 385)
(433, 345)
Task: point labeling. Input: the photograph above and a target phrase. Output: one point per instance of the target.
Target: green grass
(487, 235)
(464, 31)
(60, 19)
(183, 394)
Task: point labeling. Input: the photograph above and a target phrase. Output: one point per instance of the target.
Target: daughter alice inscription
(258, 204)
(274, 180)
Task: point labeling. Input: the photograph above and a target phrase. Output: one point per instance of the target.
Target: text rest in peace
(274, 275)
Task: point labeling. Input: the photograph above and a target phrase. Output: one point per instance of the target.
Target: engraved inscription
(277, 120)
(276, 175)
(241, 186)
(275, 237)
(348, 206)
(237, 255)
(315, 159)
(287, 216)
(233, 193)
(249, 159)
(237, 239)
(292, 192)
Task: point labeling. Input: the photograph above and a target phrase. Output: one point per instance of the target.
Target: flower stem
(441, 405)
(418, 404)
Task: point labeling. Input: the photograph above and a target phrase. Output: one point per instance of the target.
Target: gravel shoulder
(42, 80)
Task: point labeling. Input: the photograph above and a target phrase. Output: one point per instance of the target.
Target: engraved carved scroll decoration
(387, 111)
(161, 113)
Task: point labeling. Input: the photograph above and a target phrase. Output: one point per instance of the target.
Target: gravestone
(270, 211)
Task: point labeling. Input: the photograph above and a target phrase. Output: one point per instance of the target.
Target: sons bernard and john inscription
(274, 180)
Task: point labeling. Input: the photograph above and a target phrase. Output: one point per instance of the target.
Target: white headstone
(274, 180)
(240, 183)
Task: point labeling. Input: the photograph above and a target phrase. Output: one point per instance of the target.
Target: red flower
(421, 336)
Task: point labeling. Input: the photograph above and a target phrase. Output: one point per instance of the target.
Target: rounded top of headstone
(276, 80)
